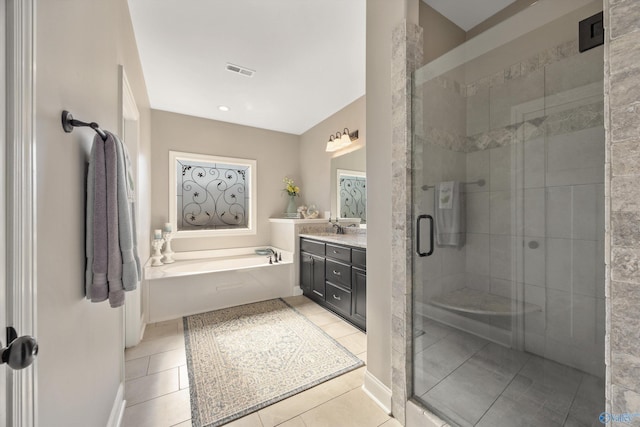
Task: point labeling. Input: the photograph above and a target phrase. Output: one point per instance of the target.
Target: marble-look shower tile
(558, 205)
(502, 249)
(534, 212)
(478, 111)
(625, 158)
(623, 54)
(445, 356)
(478, 167)
(501, 208)
(624, 229)
(544, 388)
(480, 283)
(585, 212)
(502, 173)
(535, 322)
(534, 167)
(478, 257)
(625, 370)
(624, 400)
(505, 412)
(558, 315)
(558, 264)
(625, 264)
(466, 394)
(624, 123)
(583, 321)
(478, 212)
(534, 258)
(584, 263)
(576, 157)
(588, 404)
(622, 88)
(501, 287)
(624, 194)
(500, 360)
(529, 88)
(573, 72)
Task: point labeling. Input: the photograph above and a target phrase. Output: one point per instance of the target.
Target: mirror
(349, 197)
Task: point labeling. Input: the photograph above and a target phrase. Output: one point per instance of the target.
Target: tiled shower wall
(537, 138)
(622, 122)
(622, 212)
(535, 228)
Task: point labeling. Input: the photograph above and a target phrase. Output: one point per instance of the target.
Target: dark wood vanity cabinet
(335, 277)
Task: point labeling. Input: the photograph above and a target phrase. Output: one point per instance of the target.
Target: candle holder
(168, 252)
(156, 258)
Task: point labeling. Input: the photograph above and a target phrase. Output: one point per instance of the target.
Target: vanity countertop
(358, 240)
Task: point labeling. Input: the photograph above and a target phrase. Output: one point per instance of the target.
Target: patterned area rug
(244, 358)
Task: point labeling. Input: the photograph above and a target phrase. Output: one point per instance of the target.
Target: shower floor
(474, 382)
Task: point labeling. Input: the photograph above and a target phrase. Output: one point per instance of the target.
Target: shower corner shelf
(473, 301)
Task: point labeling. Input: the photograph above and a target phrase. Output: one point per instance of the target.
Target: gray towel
(89, 221)
(126, 213)
(114, 270)
(99, 287)
(449, 214)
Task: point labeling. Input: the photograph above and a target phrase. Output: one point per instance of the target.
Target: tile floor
(157, 386)
(475, 382)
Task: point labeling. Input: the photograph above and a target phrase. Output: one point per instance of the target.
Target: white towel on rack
(449, 214)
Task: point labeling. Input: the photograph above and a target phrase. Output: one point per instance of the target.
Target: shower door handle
(418, 246)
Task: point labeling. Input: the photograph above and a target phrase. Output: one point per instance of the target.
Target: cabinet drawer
(312, 247)
(339, 252)
(359, 257)
(338, 273)
(339, 299)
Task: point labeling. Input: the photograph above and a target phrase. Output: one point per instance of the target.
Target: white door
(4, 371)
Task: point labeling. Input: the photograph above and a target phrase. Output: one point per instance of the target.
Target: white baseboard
(117, 411)
(297, 291)
(377, 391)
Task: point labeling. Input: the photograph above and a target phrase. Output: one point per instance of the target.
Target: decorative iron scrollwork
(212, 196)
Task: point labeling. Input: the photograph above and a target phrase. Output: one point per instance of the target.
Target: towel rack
(68, 123)
(481, 182)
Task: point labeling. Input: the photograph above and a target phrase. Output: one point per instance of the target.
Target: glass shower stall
(508, 218)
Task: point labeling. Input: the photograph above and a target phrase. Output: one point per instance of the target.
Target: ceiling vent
(240, 70)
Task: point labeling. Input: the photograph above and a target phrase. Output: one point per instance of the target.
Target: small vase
(292, 209)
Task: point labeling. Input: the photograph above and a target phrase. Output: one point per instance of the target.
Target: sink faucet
(338, 227)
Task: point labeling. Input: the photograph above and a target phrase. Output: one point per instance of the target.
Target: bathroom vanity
(333, 273)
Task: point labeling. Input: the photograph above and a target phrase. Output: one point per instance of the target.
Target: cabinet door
(306, 273)
(359, 297)
(318, 285)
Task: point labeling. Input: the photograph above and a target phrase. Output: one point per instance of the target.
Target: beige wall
(81, 356)
(440, 34)
(382, 17)
(315, 162)
(502, 15)
(276, 153)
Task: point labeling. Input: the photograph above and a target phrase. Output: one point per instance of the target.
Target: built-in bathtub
(209, 280)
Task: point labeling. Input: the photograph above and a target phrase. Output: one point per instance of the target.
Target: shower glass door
(508, 217)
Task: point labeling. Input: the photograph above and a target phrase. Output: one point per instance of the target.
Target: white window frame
(251, 228)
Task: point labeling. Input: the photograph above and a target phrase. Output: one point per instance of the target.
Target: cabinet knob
(336, 297)
(337, 273)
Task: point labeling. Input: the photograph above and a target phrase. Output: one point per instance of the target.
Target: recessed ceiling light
(223, 108)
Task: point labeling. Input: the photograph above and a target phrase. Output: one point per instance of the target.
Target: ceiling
(308, 57)
(467, 14)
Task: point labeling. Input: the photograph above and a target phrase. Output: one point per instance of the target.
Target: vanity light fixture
(341, 140)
